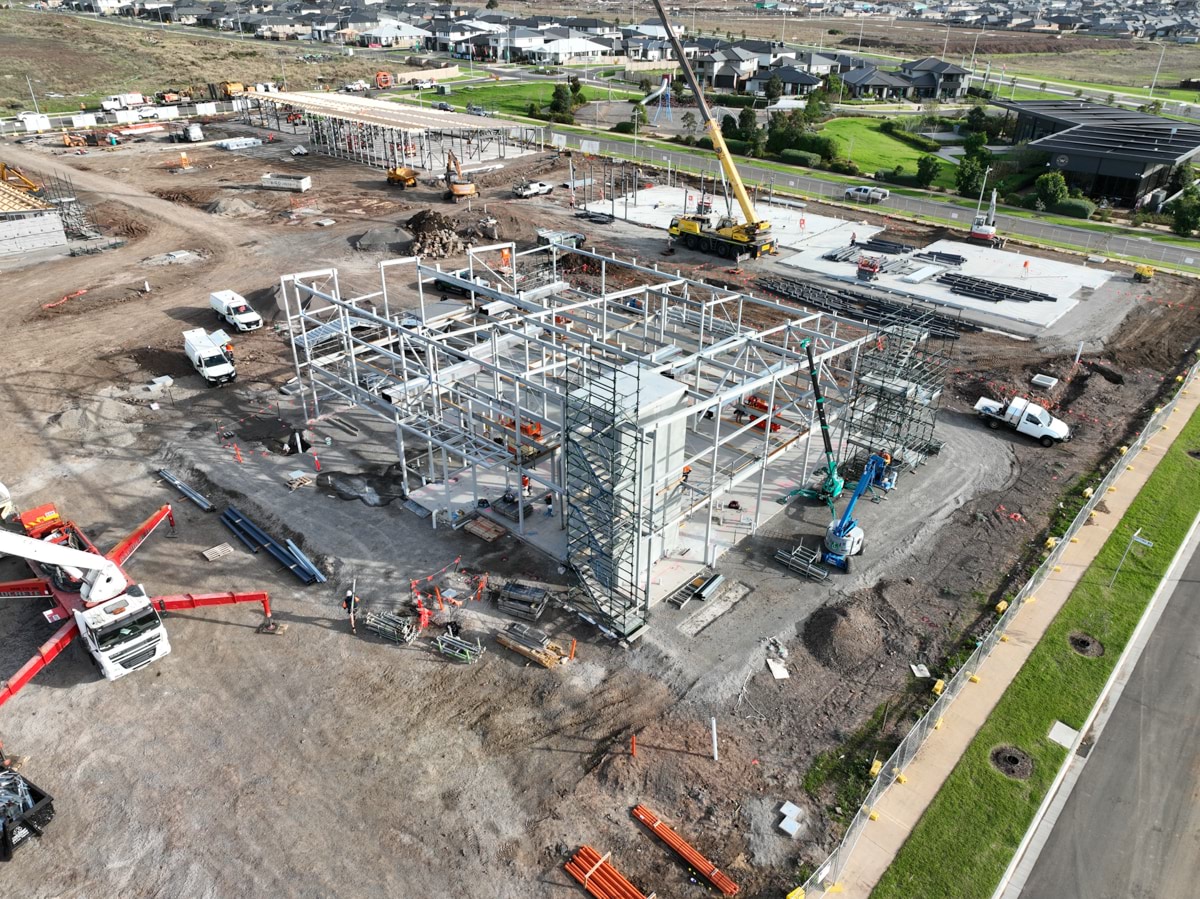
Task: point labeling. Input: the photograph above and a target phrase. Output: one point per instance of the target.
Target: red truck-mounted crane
(94, 598)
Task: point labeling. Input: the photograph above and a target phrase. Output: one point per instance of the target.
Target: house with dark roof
(1105, 151)
(933, 77)
(869, 83)
(796, 83)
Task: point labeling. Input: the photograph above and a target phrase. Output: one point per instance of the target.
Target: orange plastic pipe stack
(599, 878)
(684, 850)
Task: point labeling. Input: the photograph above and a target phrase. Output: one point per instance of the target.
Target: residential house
(727, 69)
(796, 82)
(767, 52)
(933, 77)
(514, 42)
(868, 83)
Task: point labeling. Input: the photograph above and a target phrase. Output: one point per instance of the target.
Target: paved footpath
(903, 804)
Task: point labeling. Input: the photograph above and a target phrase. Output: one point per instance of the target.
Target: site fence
(828, 873)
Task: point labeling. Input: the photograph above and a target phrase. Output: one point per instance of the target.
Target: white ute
(1025, 418)
(532, 189)
(233, 309)
(208, 356)
(866, 194)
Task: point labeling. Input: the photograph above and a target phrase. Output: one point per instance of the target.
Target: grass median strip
(967, 836)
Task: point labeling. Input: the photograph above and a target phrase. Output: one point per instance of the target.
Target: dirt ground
(242, 759)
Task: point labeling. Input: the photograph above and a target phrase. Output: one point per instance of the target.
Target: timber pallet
(485, 529)
(217, 552)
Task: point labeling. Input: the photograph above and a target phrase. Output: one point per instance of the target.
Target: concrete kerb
(1013, 881)
(831, 875)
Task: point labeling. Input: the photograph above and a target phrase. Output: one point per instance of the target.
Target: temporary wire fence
(826, 875)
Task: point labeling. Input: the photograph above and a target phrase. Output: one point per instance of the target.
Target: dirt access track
(315, 763)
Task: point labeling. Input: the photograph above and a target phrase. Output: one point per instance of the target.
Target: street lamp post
(32, 96)
(974, 46)
(1154, 83)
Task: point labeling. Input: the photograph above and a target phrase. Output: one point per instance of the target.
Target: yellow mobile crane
(707, 231)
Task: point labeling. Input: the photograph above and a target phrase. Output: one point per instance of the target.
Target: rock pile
(434, 235)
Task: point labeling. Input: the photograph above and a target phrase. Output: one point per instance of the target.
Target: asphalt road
(1131, 827)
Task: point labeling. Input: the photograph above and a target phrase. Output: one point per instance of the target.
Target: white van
(232, 308)
(208, 355)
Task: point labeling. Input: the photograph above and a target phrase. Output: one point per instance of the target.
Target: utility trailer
(25, 811)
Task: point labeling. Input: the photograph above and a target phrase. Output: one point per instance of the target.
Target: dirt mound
(382, 240)
(198, 199)
(845, 636)
(106, 418)
(232, 206)
(434, 235)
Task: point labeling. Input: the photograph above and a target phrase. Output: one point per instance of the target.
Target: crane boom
(102, 579)
(832, 488)
(753, 222)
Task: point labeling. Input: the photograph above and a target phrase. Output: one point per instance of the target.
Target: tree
(1185, 213)
(975, 146)
(969, 177)
(574, 84)
(561, 102)
(644, 85)
(688, 121)
(1183, 176)
(977, 119)
(817, 106)
(774, 88)
(1051, 188)
(747, 123)
(928, 169)
(492, 4)
(834, 87)
(729, 127)
(1078, 92)
(1111, 99)
(678, 90)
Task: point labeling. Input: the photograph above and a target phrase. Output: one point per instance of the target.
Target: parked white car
(866, 194)
(532, 189)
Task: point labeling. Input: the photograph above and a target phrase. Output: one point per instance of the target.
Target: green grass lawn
(860, 140)
(967, 836)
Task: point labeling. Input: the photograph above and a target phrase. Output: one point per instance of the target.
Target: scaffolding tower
(603, 462)
(897, 394)
(59, 192)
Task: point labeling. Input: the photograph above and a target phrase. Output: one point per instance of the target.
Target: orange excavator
(458, 185)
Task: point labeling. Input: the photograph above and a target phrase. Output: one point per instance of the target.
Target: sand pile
(103, 420)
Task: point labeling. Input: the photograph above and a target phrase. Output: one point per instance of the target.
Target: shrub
(705, 143)
(622, 128)
(1051, 188)
(737, 146)
(733, 101)
(562, 118)
(1075, 208)
(800, 157)
(823, 146)
(844, 168)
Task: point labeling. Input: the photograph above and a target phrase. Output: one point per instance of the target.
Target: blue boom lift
(844, 537)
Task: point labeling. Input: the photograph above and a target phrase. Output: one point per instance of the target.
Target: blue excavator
(845, 537)
(833, 484)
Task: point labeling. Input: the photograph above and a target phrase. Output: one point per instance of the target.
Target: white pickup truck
(233, 309)
(210, 355)
(1025, 418)
(532, 189)
(864, 194)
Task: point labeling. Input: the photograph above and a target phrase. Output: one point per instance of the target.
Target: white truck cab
(123, 634)
(233, 309)
(1024, 417)
(209, 356)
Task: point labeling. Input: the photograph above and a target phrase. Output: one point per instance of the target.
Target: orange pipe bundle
(599, 877)
(684, 850)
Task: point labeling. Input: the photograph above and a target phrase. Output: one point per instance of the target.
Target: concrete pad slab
(1063, 735)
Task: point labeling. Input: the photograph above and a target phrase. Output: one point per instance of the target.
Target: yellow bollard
(876, 767)
(872, 815)
(937, 725)
(1002, 606)
(938, 686)
(974, 678)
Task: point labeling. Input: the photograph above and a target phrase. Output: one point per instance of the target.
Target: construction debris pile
(434, 235)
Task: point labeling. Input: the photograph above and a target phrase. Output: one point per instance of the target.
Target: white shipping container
(206, 109)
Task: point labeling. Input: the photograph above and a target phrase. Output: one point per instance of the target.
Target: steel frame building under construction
(385, 135)
(613, 415)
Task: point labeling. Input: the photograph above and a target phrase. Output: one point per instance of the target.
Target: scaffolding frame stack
(897, 395)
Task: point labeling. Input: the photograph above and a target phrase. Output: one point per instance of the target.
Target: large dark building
(1105, 151)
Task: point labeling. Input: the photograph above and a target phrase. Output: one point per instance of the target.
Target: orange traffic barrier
(599, 877)
(684, 850)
